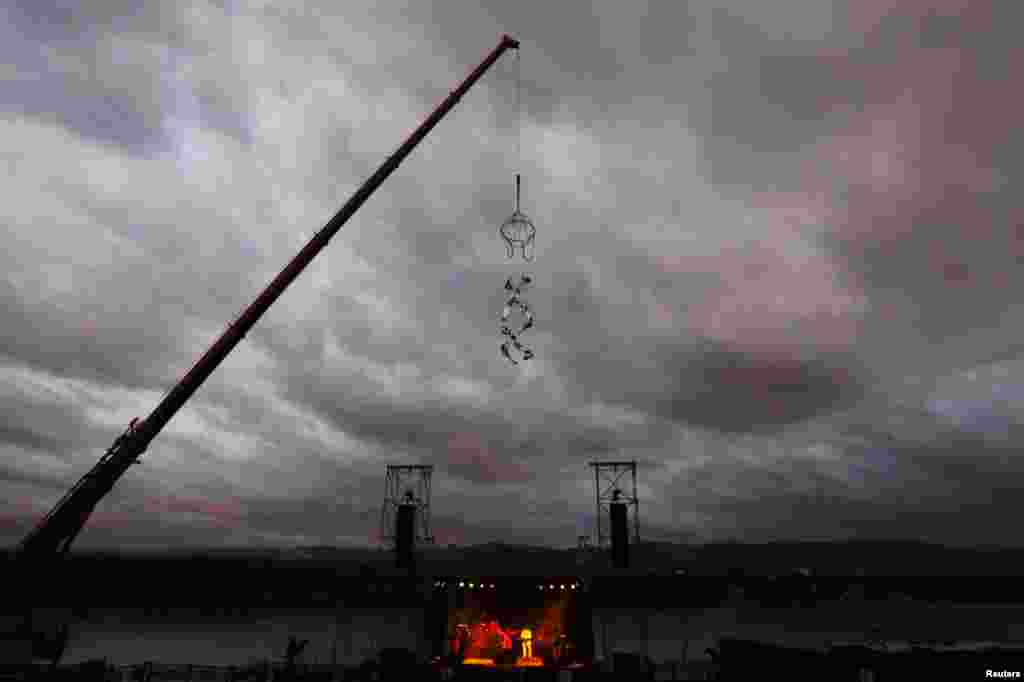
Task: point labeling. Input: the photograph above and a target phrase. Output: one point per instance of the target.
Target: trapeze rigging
(518, 232)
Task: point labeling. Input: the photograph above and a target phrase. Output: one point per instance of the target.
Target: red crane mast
(58, 529)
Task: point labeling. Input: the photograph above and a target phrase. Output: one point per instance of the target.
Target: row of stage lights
(476, 586)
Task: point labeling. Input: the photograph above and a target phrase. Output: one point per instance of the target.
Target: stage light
(492, 586)
(561, 587)
(551, 586)
(573, 586)
(461, 584)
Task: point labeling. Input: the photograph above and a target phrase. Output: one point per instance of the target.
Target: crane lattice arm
(58, 529)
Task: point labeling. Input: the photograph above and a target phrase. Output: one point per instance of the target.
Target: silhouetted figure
(56, 646)
(462, 639)
(295, 648)
(144, 672)
(559, 648)
(49, 647)
(368, 670)
(717, 660)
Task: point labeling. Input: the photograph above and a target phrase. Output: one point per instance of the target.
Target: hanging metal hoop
(518, 231)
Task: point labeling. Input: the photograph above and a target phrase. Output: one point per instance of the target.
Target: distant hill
(867, 558)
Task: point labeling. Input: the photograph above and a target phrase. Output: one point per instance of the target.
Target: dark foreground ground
(738, 660)
(711, 613)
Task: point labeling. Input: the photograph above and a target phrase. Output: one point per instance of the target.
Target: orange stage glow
(486, 631)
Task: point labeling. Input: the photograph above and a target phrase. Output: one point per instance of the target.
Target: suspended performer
(515, 302)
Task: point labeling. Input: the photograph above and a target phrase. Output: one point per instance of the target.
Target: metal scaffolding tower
(608, 488)
(403, 479)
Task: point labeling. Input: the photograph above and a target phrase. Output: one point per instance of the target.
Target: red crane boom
(58, 529)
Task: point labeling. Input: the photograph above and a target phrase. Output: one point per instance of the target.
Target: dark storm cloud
(712, 385)
(17, 435)
(733, 391)
(293, 517)
(48, 423)
(108, 73)
(79, 344)
(13, 475)
(918, 168)
(62, 21)
(893, 130)
(758, 104)
(61, 56)
(953, 487)
(571, 72)
(885, 483)
(478, 445)
(214, 513)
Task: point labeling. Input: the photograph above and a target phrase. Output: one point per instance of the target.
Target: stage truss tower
(401, 480)
(610, 487)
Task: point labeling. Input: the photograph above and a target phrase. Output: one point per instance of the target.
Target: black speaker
(405, 530)
(620, 535)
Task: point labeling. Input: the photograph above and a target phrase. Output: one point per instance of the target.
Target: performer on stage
(526, 637)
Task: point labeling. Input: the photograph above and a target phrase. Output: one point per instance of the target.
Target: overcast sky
(778, 264)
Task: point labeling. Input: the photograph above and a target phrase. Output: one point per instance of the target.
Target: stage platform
(504, 671)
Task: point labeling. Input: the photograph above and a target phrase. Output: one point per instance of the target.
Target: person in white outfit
(526, 636)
